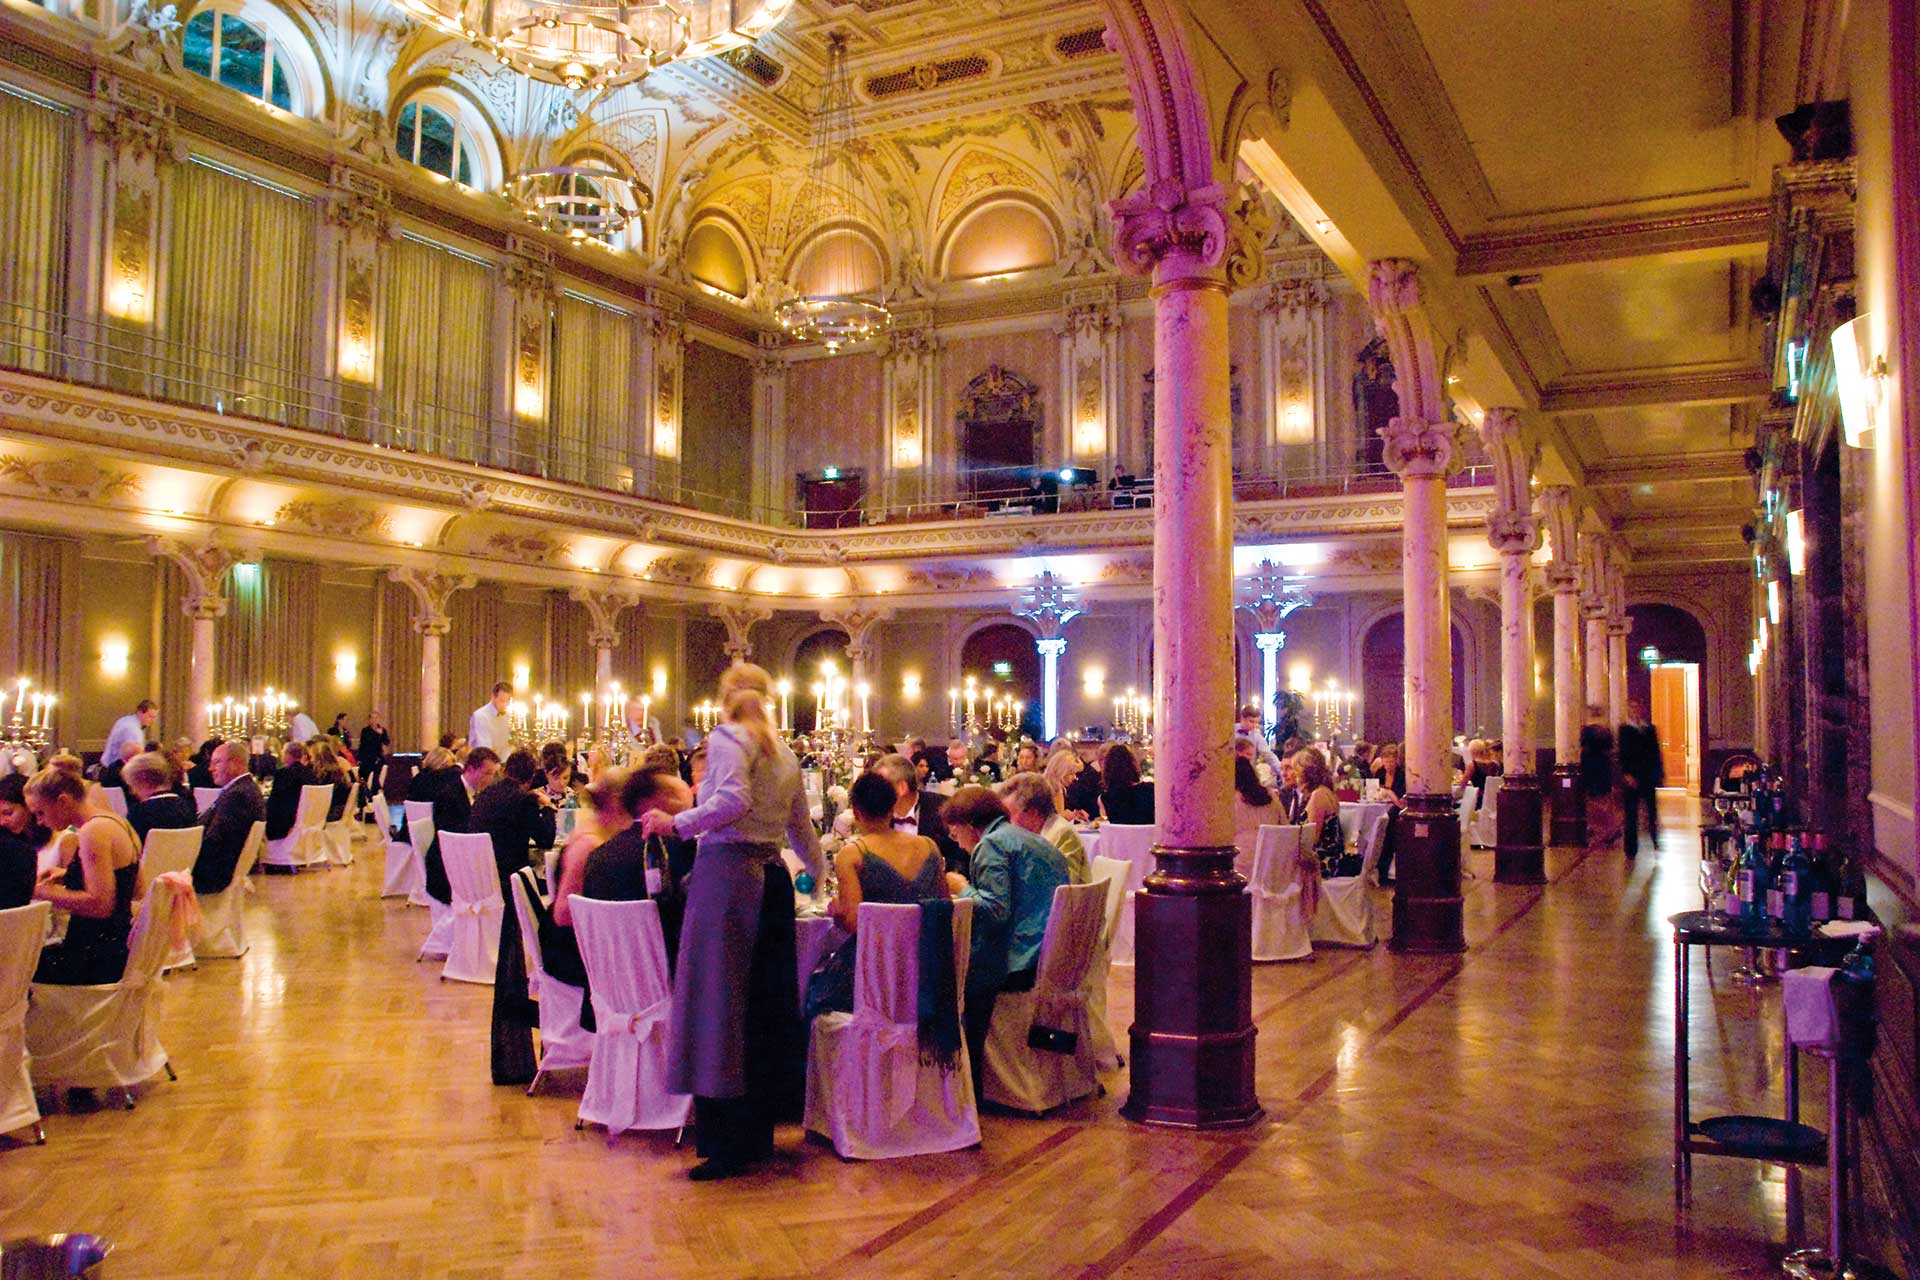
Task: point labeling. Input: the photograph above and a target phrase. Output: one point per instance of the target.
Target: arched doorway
(1666, 673)
(1002, 659)
(1383, 673)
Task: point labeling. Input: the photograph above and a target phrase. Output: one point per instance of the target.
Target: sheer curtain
(437, 358)
(569, 653)
(40, 588)
(266, 639)
(591, 417)
(472, 655)
(34, 181)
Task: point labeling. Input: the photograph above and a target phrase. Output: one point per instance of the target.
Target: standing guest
(916, 812)
(1253, 807)
(1642, 773)
(283, 803)
(338, 729)
(515, 814)
(642, 724)
(151, 800)
(375, 742)
(1596, 778)
(490, 727)
(111, 766)
(735, 1043)
(97, 889)
(200, 769)
(1030, 806)
(1124, 798)
(453, 811)
(617, 870)
(301, 728)
(1249, 724)
(21, 839)
(1014, 875)
(130, 729)
(229, 819)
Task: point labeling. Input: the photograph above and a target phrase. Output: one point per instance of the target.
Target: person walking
(1642, 773)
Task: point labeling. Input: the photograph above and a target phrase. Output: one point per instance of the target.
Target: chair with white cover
(419, 819)
(403, 864)
(171, 849)
(1111, 873)
(1469, 805)
(1486, 816)
(115, 798)
(305, 844)
(1038, 1080)
(223, 921)
(564, 1043)
(1344, 917)
(336, 837)
(203, 798)
(22, 931)
(626, 959)
(473, 939)
(867, 1089)
(1278, 888)
(108, 1036)
(1135, 845)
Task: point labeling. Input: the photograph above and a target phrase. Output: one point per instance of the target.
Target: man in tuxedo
(917, 812)
(229, 819)
(1642, 772)
(453, 811)
(284, 802)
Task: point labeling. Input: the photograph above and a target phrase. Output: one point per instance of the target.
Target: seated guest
(200, 768)
(1027, 758)
(604, 818)
(228, 820)
(151, 800)
(617, 871)
(515, 814)
(558, 777)
(323, 759)
(1082, 792)
(453, 811)
(990, 767)
(1253, 807)
(1292, 800)
(110, 769)
(1014, 875)
(1479, 765)
(1062, 772)
(1392, 772)
(923, 766)
(881, 863)
(917, 812)
(21, 840)
(1124, 798)
(97, 889)
(1323, 834)
(283, 803)
(1030, 806)
(958, 759)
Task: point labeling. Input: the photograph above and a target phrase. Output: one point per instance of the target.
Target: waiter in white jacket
(490, 727)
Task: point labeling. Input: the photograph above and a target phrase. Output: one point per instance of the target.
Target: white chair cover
(419, 816)
(305, 844)
(626, 960)
(1278, 889)
(22, 930)
(564, 1043)
(337, 836)
(1030, 1079)
(167, 849)
(1135, 845)
(115, 799)
(473, 938)
(106, 1037)
(867, 1089)
(1469, 805)
(1486, 816)
(1345, 915)
(223, 921)
(1111, 873)
(203, 798)
(404, 870)
(20, 761)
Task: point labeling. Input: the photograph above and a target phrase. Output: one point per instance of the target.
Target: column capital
(1050, 606)
(1513, 533)
(604, 609)
(204, 608)
(1051, 647)
(204, 566)
(1269, 641)
(432, 624)
(1208, 235)
(431, 593)
(1618, 626)
(1270, 598)
(858, 623)
(738, 619)
(1422, 452)
(1397, 297)
(1561, 520)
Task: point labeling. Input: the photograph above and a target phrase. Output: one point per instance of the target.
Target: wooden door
(1671, 721)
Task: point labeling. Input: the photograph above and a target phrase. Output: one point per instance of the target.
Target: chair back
(22, 931)
(168, 849)
(151, 941)
(314, 801)
(1490, 797)
(1111, 873)
(203, 798)
(471, 873)
(419, 824)
(886, 973)
(1469, 801)
(521, 885)
(116, 798)
(249, 854)
(1350, 824)
(1133, 843)
(353, 803)
(1276, 859)
(1073, 931)
(382, 816)
(625, 955)
(1372, 845)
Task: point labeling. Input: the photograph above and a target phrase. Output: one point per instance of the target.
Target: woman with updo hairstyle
(1323, 834)
(97, 889)
(21, 839)
(736, 1041)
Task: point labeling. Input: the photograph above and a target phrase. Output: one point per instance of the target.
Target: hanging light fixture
(834, 319)
(599, 44)
(579, 201)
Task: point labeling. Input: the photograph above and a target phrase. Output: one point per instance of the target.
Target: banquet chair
(1469, 805)
(1018, 1075)
(404, 869)
(564, 1043)
(418, 816)
(305, 844)
(203, 798)
(1344, 917)
(473, 938)
(1111, 874)
(1135, 844)
(22, 931)
(167, 850)
(223, 922)
(868, 1091)
(1279, 892)
(108, 1036)
(1486, 815)
(626, 959)
(337, 836)
(115, 799)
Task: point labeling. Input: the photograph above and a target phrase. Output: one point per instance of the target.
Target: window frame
(288, 51)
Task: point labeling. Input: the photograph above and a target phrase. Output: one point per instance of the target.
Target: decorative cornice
(1742, 224)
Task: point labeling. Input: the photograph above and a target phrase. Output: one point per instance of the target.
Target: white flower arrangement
(837, 794)
(1263, 771)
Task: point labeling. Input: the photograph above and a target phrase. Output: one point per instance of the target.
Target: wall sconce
(1089, 436)
(127, 297)
(659, 682)
(1773, 601)
(910, 686)
(907, 449)
(666, 438)
(356, 358)
(1093, 682)
(1296, 423)
(522, 677)
(527, 399)
(113, 657)
(346, 669)
(1859, 382)
(1300, 677)
(1796, 542)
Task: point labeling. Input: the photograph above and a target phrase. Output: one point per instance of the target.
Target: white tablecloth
(1357, 817)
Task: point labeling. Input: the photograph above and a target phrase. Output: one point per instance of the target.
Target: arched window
(232, 51)
(428, 137)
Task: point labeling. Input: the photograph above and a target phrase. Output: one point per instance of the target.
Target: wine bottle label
(1731, 904)
(1822, 906)
(1789, 885)
(1743, 886)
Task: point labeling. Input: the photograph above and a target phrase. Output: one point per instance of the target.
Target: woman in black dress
(1124, 798)
(97, 889)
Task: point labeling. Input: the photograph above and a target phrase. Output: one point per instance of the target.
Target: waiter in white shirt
(130, 728)
(490, 727)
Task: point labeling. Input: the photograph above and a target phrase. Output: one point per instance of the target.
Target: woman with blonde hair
(736, 1042)
(1062, 771)
(97, 889)
(1323, 834)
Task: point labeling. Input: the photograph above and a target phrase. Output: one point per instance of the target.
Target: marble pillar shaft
(1516, 661)
(602, 673)
(1596, 690)
(1616, 675)
(200, 673)
(1566, 676)
(1429, 661)
(430, 684)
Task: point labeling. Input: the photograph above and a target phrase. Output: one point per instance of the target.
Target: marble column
(205, 569)
(432, 592)
(1192, 1039)
(1617, 629)
(1514, 531)
(604, 612)
(1569, 803)
(1049, 606)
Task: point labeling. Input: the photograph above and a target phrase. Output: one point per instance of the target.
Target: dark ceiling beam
(1724, 229)
(1587, 392)
(1680, 468)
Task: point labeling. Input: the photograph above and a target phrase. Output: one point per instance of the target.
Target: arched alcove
(1681, 641)
(1009, 643)
(1383, 669)
(829, 644)
(838, 263)
(714, 258)
(1000, 237)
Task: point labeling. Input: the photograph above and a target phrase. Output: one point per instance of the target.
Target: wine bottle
(1776, 858)
(1750, 885)
(1795, 889)
(1820, 896)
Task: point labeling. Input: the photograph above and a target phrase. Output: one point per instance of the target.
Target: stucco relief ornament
(1212, 226)
(1417, 452)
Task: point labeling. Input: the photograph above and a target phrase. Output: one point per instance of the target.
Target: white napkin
(1849, 928)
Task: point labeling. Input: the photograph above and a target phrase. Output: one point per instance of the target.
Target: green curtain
(35, 160)
(437, 362)
(591, 418)
(396, 675)
(239, 271)
(40, 591)
(569, 652)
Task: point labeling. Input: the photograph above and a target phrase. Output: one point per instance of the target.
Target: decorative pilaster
(357, 218)
(604, 611)
(909, 400)
(772, 490)
(1193, 1035)
(205, 569)
(1593, 607)
(1295, 389)
(528, 278)
(130, 136)
(1569, 801)
(432, 592)
(1269, 600)
(1618, 628)
(1084, 431)
(664, 363)
(1513, 531)
(1050, 606)
(738, 620)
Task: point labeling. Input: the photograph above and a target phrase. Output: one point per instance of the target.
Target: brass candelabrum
(30, 726)
(705, 716)
(263, 715)
(1133, 716)
(974, 710)
(545, 721)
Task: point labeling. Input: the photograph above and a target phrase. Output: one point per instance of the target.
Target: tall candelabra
(545, 721)
(608, 731)
(705, 716)
(1333, 711)
(1005, 713)
(30, 726)
(967, 708)
(1133, 715)
(262, 714)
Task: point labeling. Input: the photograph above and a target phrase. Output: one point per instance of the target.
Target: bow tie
(906, 824)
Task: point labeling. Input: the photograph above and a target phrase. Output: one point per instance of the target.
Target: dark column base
(1569, 804)
(1426, 872)
(1192, 1034)
(1518, 855)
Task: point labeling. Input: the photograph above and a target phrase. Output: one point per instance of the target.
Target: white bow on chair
(480, 906)
(642, 1026)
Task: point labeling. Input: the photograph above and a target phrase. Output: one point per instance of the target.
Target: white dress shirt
(126, 729)
(490, 729)
(301, 728)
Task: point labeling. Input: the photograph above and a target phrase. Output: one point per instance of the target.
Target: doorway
(1675, 708)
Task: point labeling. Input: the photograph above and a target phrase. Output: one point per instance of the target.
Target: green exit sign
(1003, 668)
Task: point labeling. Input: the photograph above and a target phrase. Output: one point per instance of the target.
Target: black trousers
(740, 1130)
(1631, 798)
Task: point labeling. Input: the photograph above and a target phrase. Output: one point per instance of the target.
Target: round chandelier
(599, 44)
(838, 319)
(577, 201)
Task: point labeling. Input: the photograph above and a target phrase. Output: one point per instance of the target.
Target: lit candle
(646, 716)
(866, 719)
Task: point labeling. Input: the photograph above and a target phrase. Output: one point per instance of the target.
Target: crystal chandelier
(599, 44)
(835, 320)
(578, 201)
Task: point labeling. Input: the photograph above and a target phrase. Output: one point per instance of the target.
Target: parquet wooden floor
(1507, 1111)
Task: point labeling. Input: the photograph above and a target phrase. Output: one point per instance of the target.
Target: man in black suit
(229, 819)
(917, 812)
(110, 770)
(1642, 772)
(283, 805)
(515, 815)
(453, 811)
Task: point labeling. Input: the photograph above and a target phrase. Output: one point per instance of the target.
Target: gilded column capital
(205, 568)
(1418, 451)
(739, 620)
(1513, 533)
(432, 592)
(1209, 234)
(604, 609)
(1557, 513)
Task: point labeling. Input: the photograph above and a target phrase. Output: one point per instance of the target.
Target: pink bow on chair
(184, 920)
